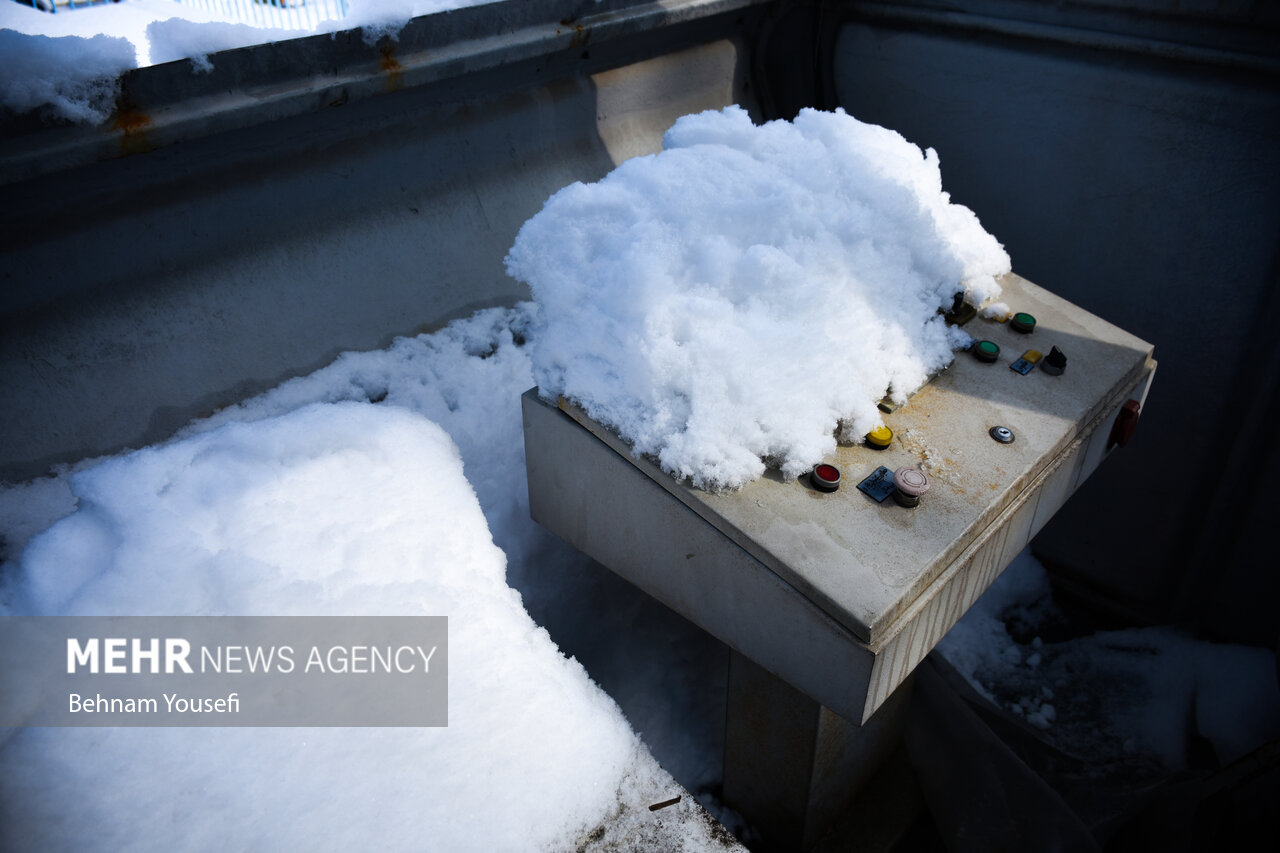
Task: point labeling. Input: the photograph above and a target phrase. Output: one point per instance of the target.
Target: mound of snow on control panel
(742, 296)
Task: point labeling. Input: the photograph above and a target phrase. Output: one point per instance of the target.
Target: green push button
(986, 351)
(1023, 322)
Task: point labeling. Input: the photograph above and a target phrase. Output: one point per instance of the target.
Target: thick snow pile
(70, 62)
(334, 508)
(85, 92)
(466, 377)
(736, 298)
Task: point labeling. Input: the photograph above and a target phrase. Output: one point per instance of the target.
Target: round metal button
(1004, 435)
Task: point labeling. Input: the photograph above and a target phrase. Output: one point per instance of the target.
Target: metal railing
(281, 14)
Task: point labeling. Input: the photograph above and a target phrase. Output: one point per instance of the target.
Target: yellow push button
(879, 438)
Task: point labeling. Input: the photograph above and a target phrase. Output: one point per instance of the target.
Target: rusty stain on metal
(581, 35)
(391, 67)
(132, 123)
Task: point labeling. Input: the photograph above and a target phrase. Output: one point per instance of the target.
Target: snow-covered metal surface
(261, 12)
(164, 105)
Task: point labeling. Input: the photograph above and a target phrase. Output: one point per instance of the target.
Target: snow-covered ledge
(215, 90)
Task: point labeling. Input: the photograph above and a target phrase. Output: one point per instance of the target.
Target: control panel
(889, 540)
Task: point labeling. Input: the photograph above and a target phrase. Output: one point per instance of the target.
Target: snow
(704, 301)
(331, 508)
(1131, 697)
(251, 482)
(69, 62)
(85, 92)
(737, 299)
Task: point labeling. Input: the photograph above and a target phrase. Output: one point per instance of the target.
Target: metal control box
(836, 593)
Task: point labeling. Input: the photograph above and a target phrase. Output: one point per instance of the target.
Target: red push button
(825, 478)
(1126, 423)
